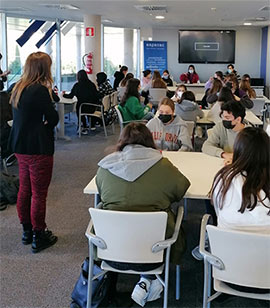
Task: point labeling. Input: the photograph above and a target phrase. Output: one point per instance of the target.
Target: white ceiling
(180, 13)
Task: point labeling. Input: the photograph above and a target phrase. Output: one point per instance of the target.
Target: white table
(198, 96)
(61, 111)
(250, 117)
(198, 167)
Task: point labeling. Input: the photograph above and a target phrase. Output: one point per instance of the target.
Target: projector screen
(206, 46)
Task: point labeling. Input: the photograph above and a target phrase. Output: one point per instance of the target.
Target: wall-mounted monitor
(206, 46)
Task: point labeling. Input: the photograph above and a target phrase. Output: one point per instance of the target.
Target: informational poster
(155, 55)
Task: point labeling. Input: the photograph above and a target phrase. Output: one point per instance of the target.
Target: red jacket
(192, 78)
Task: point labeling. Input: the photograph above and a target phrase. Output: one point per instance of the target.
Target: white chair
(114, 99)
(120, 92)
(121, 121)
(105, 106)
(259, 108)
(156, 94)
(118, 238)
(236, 257)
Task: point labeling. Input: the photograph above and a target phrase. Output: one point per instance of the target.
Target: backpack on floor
(110, 116)
(9, 188)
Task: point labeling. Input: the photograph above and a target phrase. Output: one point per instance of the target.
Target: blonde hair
(167, 102)
(37, 70)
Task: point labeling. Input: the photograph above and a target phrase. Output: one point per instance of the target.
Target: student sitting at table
(104, 86)
(247, 182)
(224, 96)
(218, 75)
(187, 108)
(179, 92)
(122, 87)
(157, 81)
(86, 92)
(231, 70)
(213, 92)
(245, 86)
(221, 139)
(169, 131)
(146, 80)
(239, 95)
(167, 79)
(130, 105)
(133, 167)
(191, 76)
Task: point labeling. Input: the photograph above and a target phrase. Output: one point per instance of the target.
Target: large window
(120, 48)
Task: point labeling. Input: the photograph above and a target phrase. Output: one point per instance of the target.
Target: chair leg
(105, 130)
(5, 165)
(177, 284)
(185, 209)
(209, 283)
(80, 123)
(166, 280)
(90, 276)
(206, 287)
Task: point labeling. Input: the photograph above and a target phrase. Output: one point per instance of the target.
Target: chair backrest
(246, 256)
(190, 127)
(120, 117)
(129, 236)
(121, 92)
(114, 99)
(157, 94)
(258, 106)
(106, 102)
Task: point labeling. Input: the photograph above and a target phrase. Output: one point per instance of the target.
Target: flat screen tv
(206, 46)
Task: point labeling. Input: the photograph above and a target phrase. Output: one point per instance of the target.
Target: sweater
(220, 140)
(29, 134)
(229, 216)
(170, 137)
(133, 110)
(189, 78)
(133, 180)
(188, 111)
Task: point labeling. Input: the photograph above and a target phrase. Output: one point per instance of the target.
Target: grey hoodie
(188, 111)
(170, 137)
(132, 162)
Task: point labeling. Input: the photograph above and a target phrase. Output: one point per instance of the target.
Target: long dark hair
(101, 78)
(251, 159)
(192, 66)
(82, 76)
(135, 133)
(126, 79)
(187, 95)
(131, 90)
(225, 95)
(216, 86)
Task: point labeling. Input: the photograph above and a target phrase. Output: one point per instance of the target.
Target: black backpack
(9, 187)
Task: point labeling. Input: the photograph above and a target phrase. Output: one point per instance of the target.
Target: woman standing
(32, 140)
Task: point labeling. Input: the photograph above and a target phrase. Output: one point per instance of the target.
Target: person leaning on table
(132, 179)
(221, 138)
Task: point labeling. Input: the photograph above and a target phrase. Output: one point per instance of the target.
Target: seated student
(169, 131)
(187, 108)
(157, 81)
(224, 96)
(247, 182)
(191, 76)
(218, 75)
(130, 105)
(220, 141)
(213, 92)
(104, 86)
(231, 70)
(179, 92)
(132, 168)
(245, 86)
(146, 80)
(167, 79)
(119, 76)
(86, 92)
(239, 95)
(122, 87)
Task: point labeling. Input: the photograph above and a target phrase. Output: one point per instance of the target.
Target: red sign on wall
(90, 31)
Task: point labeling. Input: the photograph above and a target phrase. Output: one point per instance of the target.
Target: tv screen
(206, 46)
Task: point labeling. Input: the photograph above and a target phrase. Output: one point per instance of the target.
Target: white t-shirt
(229, 217)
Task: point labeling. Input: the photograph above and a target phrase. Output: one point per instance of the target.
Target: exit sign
(90, 31)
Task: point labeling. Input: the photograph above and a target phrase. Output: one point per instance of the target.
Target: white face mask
(179, 94)
(191, 71)
(165, 76)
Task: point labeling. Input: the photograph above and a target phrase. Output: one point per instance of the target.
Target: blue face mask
(229, 71)
(191, 71)
(165, 76)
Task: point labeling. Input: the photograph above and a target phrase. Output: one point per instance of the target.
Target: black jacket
(118, 77)
(29, 134)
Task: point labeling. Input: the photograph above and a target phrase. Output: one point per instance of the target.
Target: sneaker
(11, 160)
(27, 237)
(141, 291)
(84, 131)
(43, 240)
(196, 253)
(155, 290)
(93, 128)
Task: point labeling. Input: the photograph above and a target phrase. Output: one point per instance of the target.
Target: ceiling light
(247, 23)
(106, 20)
(150, 38)
(213, 8)
(159, 17)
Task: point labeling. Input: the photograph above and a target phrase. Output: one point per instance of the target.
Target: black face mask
(228, 124)
(165, 118)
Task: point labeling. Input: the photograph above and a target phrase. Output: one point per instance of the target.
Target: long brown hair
(135, 133)
(37, 70)
(251, 159)
(245, 86)
(131, 90)
(216, 86)
(124, 81)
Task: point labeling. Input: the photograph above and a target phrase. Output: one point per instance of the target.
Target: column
(128, 50)
(79, 55)
(93, 43)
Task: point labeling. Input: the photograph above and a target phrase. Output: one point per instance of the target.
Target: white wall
(247, 54)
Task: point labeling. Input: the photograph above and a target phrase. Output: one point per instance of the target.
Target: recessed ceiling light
(159, 17)
(106, 20)
(247, 23)
(213, 8)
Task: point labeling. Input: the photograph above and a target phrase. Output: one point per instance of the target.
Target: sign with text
(155, 55)
(90, 31)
